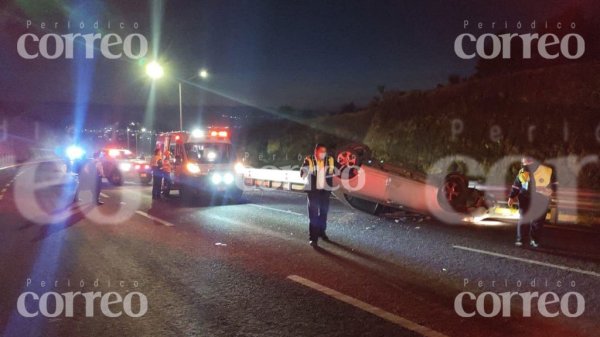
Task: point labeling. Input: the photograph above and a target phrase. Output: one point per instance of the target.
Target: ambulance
(203, 163)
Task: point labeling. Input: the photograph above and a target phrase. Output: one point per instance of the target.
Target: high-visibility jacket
(543, 177)
(310, 168)
(166, 165)
(156, 162)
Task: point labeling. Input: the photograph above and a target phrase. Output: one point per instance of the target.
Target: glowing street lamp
(154, 70)
(203, 73)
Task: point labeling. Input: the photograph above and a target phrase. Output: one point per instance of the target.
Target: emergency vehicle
(120, 164)
(203, 163)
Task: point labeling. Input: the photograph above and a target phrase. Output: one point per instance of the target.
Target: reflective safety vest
(312, 168)
(156, 161)
(542, 177)
(166, 165)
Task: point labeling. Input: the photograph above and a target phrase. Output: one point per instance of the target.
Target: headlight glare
(228, 178)
(216, 178)
(193, 168)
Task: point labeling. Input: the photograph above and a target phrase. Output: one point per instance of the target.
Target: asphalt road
(246, 269)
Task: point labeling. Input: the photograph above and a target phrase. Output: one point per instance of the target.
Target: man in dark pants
(98, 173)
(320, 169)
(533, 188)
(157, 176)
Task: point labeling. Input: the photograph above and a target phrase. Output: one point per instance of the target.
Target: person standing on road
(320, 169)
(533, 187)
(99, 174)
(157, 176)
(167, 168)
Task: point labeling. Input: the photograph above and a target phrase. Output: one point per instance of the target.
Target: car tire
(115, 178)
(352, 155)
(147, 180)
(453, 194)
(187, 194)
(234, 195)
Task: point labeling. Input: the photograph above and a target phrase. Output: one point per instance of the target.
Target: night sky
(307, 54)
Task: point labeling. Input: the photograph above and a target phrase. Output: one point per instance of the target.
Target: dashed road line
(104, 195)
(388, 316)
(153, 218)
(535, 262)
(276, 209)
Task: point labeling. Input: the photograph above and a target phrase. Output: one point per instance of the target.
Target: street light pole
(155, 71)
(180, 109)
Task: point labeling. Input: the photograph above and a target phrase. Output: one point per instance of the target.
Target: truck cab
(203, 163)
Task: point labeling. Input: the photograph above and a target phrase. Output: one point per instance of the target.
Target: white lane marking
(103, 195)
(26, 163)
(276, 209)
(388, 316)
(539, 263)
(3, 190)
(161, 221)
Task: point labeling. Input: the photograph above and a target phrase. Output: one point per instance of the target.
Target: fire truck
(203, 163)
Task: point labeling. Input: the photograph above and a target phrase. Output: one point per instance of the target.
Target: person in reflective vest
(319, 169)
(533, 187)
(166, 169)
(157, 176)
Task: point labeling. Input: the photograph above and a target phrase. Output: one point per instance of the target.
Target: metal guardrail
(274, 178)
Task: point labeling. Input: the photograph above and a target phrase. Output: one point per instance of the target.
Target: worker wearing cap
(319, 169)
(166, 170)
(533, 187)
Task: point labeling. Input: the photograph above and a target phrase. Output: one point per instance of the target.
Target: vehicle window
(208, 152)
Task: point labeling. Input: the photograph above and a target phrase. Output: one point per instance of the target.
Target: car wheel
(453, 194)
(234, 195)
(187, 194)
(147, 180)
(116, 178)
(352, 156)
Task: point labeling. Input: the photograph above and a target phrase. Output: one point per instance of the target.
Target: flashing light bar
(113, 152)
(197, 133)
(222, 133)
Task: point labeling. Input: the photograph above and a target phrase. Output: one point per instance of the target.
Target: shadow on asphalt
(49, 229)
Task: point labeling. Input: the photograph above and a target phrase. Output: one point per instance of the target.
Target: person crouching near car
(157, 176)
(167, 169)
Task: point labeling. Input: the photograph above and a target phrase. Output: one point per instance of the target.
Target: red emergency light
(113, 152)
